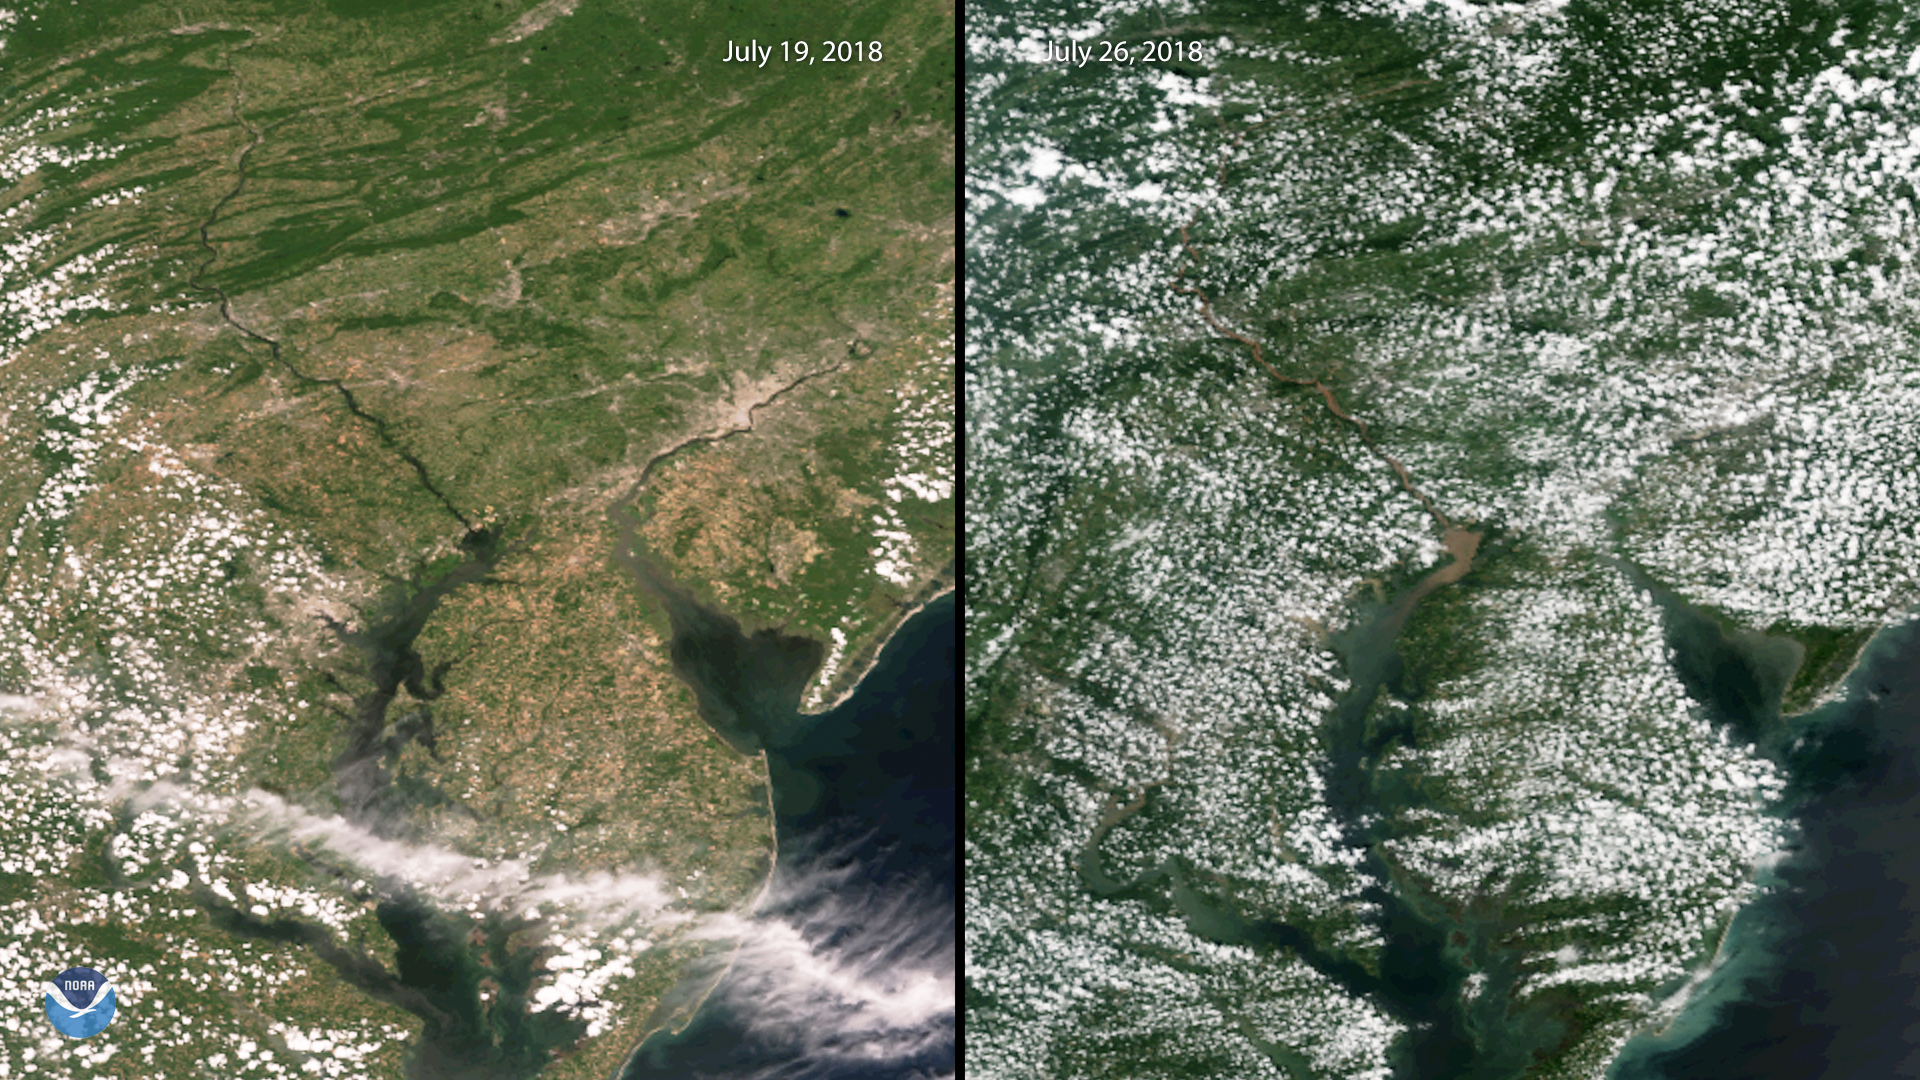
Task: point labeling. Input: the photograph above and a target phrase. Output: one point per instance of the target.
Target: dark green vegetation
(1543, 253)
(1827, 655)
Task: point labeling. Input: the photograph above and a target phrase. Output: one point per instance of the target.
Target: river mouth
(1368, 648)
(467, 980)
(747, 684)
(1816, 976)
(1430, 949)
(1741, 677)
(857, 926)
(362, 771)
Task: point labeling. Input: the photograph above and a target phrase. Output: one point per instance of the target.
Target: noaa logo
(79, 1002)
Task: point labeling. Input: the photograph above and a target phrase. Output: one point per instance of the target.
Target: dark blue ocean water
(860, 917)
(1821, 978)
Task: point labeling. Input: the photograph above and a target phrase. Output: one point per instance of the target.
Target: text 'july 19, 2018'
(802, 52)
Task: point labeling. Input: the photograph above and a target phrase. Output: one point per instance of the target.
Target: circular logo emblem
(79, 1002)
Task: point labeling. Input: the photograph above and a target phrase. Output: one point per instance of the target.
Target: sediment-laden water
(1820, 977)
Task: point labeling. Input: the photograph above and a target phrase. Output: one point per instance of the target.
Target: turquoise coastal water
(1820, 977)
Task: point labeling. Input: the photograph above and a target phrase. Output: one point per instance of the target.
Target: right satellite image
(1443, 538)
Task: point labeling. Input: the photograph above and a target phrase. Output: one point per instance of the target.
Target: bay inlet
(845, 968)
(1820, 976)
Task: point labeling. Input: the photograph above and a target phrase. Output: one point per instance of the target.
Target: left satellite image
(476, 539)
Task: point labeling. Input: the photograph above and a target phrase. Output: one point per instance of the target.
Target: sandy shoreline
(1909, 622)
(667, 1026)
(733, 956)
(899, 620)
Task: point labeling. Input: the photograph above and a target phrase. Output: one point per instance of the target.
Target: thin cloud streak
(840, 972)
(451, 878)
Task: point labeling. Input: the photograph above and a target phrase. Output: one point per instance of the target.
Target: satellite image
(1443, 530)
(476, 592)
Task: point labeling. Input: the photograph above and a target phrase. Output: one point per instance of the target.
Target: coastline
(1837, 690)
(693, 1011)
(672, 1021)
(1676, 1004)
(858, 666)
(1843, 689)
(1817, 956)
